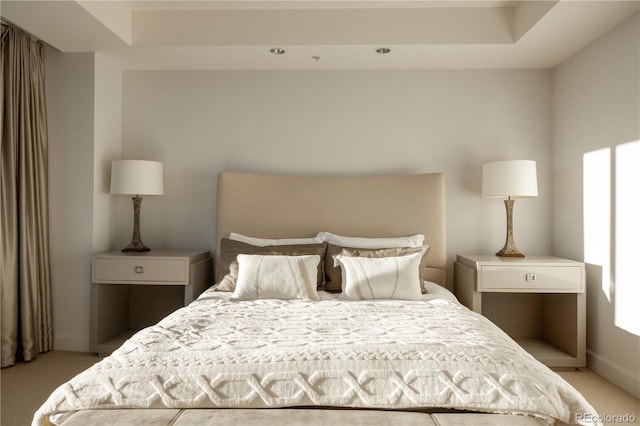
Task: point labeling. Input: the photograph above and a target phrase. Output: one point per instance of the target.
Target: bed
(406, 353)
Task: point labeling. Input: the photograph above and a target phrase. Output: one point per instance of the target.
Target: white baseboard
(72, 343)
(613, 372)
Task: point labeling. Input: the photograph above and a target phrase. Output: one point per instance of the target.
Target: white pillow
(261, 242)
(381, 278)
(416, 240)
(276, 277)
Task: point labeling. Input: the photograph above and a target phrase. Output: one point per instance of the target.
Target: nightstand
(537, 300)
(131, 291)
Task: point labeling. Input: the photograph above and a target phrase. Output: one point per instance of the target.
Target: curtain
(27, 318)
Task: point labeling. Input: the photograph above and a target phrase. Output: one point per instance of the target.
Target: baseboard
(613, 372)
(70, 342)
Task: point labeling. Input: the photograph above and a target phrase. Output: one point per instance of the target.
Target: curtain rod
(15, 27)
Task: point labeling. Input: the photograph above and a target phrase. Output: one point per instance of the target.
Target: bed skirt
(290, 416)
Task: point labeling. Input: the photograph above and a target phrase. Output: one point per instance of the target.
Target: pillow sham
(229, 251)
(333, 271)
(276, 277)
(393, 277)
(416, 240)
(261, 242)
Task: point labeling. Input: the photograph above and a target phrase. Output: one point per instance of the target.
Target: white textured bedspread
(271, 353)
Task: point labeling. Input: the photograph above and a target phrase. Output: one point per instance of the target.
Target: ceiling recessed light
(277, 51)
(383, 50)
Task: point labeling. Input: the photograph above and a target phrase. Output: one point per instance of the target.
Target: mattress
(376, 354)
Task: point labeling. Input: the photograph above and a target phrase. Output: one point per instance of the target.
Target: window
(612, 189)
(627, 236)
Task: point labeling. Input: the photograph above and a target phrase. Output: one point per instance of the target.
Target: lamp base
(509, 252)
(136, 245)
(509, 249)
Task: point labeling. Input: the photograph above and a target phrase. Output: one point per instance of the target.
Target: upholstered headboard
(273, 206)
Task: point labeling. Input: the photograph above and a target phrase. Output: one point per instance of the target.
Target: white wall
(338, 122)
(596, 106)
(84, 119)
(70, 100)
(107, 147)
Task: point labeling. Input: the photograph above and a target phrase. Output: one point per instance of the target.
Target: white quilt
(272, 353)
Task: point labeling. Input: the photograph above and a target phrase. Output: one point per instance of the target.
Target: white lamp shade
(504, 179)
(139, 177)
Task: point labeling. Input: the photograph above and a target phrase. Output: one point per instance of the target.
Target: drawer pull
(530, 277)
(139, 270)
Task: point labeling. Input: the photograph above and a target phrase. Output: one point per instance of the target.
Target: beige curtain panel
(27, 320)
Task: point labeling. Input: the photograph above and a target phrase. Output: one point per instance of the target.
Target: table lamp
(508, 180)
(137, 178)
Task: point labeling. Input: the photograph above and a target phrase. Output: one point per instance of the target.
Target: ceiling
(329, 34)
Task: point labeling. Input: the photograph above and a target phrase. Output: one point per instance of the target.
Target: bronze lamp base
(509, 249)
(136, 244)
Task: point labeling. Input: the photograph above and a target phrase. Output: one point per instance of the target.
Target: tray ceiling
(238, 34)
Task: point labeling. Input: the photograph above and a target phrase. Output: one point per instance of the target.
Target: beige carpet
(25, 387)
(606, 398)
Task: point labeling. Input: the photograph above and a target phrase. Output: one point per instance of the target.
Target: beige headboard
(273, 206)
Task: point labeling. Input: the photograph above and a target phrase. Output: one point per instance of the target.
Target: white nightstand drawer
(139, 269)
(530, 278)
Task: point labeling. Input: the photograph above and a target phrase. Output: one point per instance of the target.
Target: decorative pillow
(276, 277)
(261, 242)
(333, 272)
(229, 251)
(416, 240)
(381, 278)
